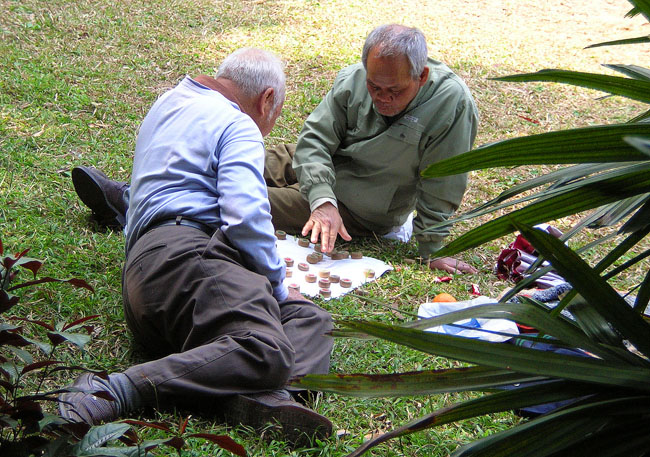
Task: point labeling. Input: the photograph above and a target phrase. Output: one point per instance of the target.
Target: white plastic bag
(435, 309)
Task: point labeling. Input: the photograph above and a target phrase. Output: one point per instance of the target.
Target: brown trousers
(289, 209)
(190, 300)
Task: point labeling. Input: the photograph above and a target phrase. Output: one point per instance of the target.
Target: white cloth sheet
(352, 269)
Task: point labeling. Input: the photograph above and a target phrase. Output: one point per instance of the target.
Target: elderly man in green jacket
(356, 167)
(359, 156)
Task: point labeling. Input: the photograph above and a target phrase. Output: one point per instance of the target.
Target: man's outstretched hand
(451, 265)
(325, 221)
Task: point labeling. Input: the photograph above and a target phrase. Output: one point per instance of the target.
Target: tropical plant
(27, 367)
(604, 391)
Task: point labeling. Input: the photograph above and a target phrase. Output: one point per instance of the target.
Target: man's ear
(265, 102)
(424, 76)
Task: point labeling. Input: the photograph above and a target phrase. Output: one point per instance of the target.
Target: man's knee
(278, 169)
(289, 209)
(309, 315)
(321, 320)
(271, 360)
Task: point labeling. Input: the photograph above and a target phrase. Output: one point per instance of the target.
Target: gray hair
(253, 71)
(398, 40)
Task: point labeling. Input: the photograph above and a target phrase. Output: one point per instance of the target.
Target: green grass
(77, 77)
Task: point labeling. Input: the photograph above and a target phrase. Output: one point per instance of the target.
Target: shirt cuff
(280, 293)
(320, 201)
(318, 191)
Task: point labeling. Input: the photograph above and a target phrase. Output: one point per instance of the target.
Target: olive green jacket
(348, 152)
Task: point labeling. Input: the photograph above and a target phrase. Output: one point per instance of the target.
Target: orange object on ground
(444, 297)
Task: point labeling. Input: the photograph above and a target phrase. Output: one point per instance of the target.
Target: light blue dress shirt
(198, 155)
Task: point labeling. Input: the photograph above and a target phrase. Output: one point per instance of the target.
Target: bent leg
(278, 168)
(289, 209)
(307, 326)
(189, 296)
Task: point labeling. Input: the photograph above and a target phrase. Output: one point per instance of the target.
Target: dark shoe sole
(91, 194)
(298, 425)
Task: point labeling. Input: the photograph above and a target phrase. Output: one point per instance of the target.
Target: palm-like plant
(609, 412)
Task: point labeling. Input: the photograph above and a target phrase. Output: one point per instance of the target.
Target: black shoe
(103, 196)
(89, 400)
(298, 424)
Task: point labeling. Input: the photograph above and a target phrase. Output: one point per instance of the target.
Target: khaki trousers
(289, 209)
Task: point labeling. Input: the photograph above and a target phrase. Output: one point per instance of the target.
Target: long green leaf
(545, 439)
(524, 314)
(594, 324)
(633, 71)
(640, 143)
(643, 295)
(558, 177)
(641, 117)
(530, 279)
(413, 383)
(550, 434)
(611, 257)
(592, 287)
(572, 202)
(510, 357)
(628, 243)
(604, 143)
(634, 260)
(641, 6)
(564, 180)
(617, 211)
(497, 402)
(555, 190)
(527, 282)
(637, 40)
(631, 439)
(616, 85)
(641, 218)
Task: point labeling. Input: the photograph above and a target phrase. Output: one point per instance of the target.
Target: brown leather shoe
(298, 424)
(103, 196)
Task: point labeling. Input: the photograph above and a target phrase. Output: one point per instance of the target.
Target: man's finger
(325, 238)
(466, 268)
(450, 269)
(344, 232)
(331, 241)
(308, 226)
(315, 232)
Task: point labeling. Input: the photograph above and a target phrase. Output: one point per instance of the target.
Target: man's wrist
(321, 201)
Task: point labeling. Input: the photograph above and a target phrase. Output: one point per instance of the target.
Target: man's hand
(325, 221)
(451, 265)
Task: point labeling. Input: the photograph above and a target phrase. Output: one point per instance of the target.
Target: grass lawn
(78, 76)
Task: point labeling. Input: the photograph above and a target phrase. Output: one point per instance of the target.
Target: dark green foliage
(27, 367)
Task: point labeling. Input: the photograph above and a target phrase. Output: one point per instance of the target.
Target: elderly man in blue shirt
(203, 283)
